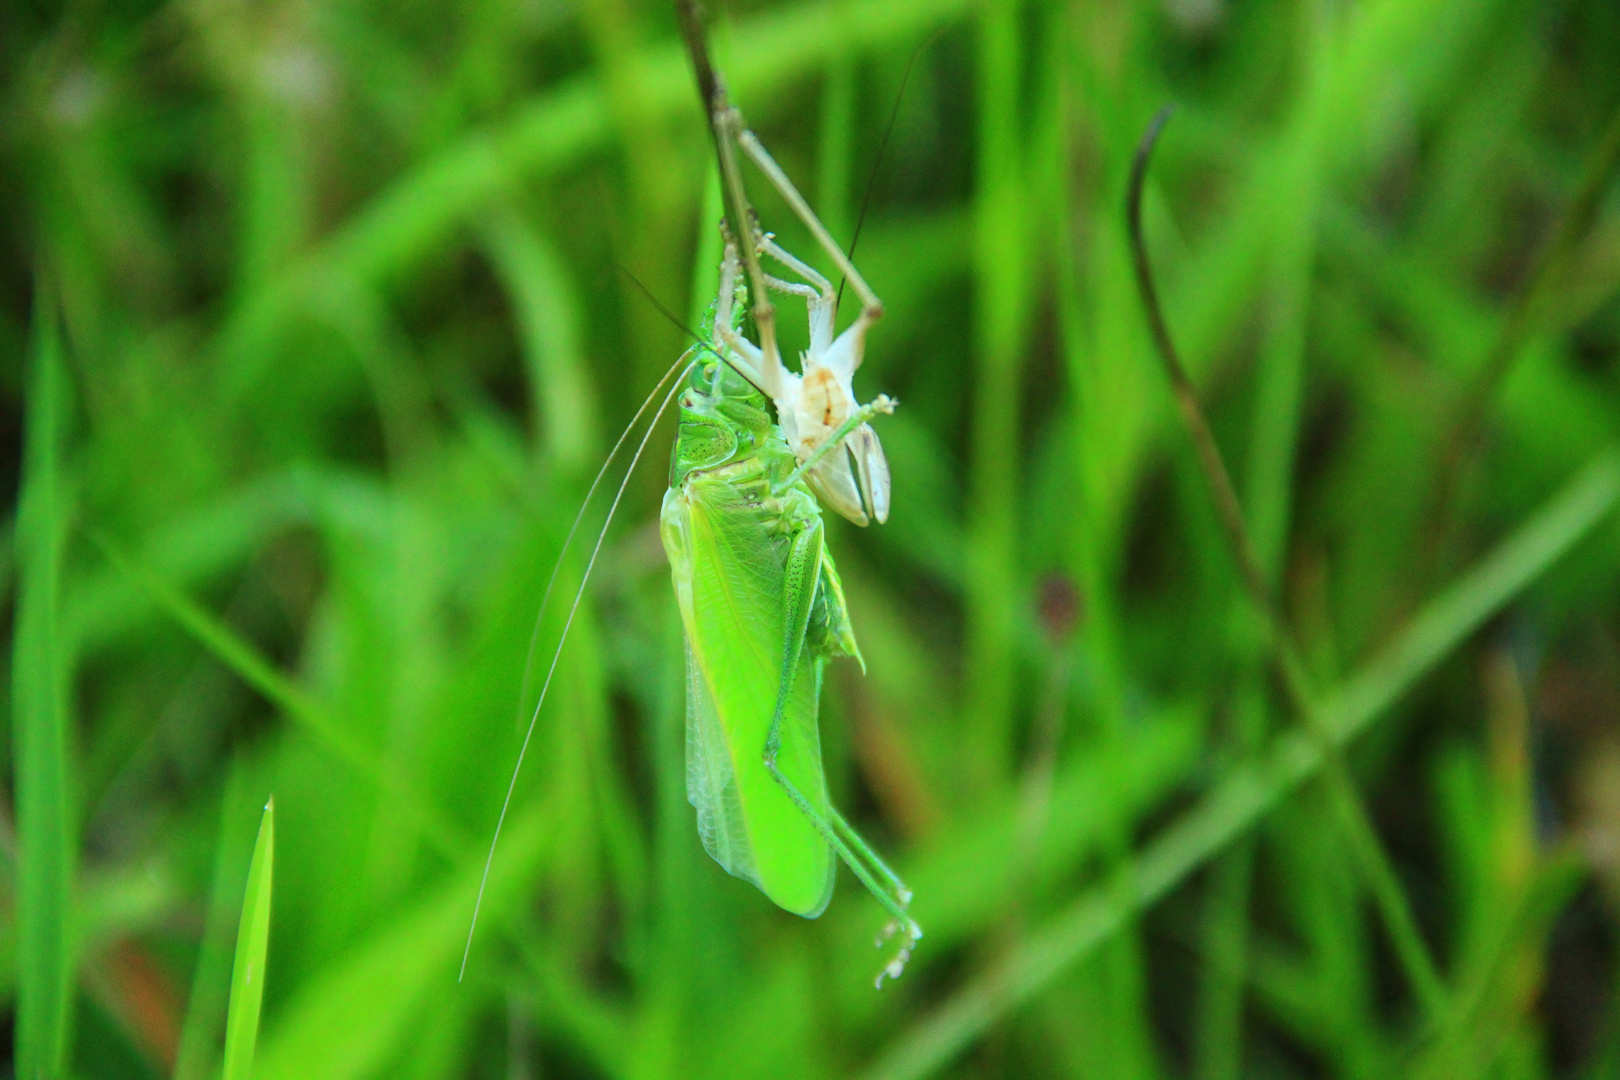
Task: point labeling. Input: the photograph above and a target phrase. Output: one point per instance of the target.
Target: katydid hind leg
(799, 588)
(868, 853)
(901, 924)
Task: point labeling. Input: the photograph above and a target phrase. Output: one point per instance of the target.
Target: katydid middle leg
(802, 577)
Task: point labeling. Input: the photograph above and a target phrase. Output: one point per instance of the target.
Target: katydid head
(722, 417)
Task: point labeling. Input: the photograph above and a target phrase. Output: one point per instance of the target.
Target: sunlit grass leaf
(251, 667)
(197, 1054)
(252, 943)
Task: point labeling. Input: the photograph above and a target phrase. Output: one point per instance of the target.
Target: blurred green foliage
(317, 317)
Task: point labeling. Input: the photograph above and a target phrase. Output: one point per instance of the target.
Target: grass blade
(197, 1055)
(252, 941)
(348, 1017)
(39, 702)
(1495, 991)
(1252, 790)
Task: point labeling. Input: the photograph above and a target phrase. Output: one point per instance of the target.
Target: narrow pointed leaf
(45, 845)
(252, 942)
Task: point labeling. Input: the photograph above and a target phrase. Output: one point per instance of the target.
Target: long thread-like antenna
(674, 320)
(534, 717)
(590, 493)
(883, 147)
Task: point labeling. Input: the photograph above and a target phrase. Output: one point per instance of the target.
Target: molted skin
(811, 407)
(742, 560)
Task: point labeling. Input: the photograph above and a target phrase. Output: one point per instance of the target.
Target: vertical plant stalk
(45, 842)
(1070, 95)
(1218, 1035)
(1379, 875)
(252, 943)
(723, 122)
(1458, 444)
(1268, 504)
(1000, 303)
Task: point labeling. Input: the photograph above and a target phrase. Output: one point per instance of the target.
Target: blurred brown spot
(889, 764)
(1597, 812)
(1583, 699)
(1580, 699)
(1060, 605)
(144, 999)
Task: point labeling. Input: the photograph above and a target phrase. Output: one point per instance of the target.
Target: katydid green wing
(730, 577)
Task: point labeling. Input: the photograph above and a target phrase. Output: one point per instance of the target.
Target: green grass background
(317, 317)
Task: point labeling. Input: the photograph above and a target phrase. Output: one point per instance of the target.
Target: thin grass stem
(1254, 788)
(1529, 309)
(1390, 897)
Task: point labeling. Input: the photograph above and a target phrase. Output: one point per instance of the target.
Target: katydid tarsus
(760, 599)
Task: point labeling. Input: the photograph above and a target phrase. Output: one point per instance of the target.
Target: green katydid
(760, 599)
(759, 594)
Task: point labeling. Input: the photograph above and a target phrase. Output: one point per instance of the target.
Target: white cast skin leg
(764, 371)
